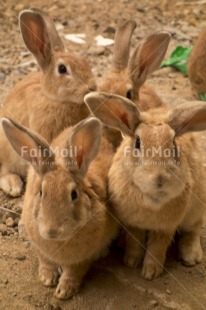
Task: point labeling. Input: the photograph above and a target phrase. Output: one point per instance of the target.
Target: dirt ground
(109, 285)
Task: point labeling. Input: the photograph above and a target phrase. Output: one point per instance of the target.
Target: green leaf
(202, 96)
(178, 59)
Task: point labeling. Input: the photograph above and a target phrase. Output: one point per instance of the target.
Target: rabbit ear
(55, 41)
(122, 44)
(35, 36)
(114, 111)
(189, 117)
(148, 56)
(84, 143)
(29, 145)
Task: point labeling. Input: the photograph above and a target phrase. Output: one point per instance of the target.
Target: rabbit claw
(151, 271)
(66, 289)
(132, 261)
(192, 255)
(48, 276)
(11, 184)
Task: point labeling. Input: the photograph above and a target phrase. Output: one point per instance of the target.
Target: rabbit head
(62, 201)
(66, 76)
(154, 152)
(127, 76)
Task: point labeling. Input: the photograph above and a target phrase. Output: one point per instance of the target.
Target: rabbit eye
(62, 69)
(137, 143)
(129, 94)
(74, 195)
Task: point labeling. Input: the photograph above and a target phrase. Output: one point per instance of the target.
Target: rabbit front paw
(132, 261)
(66, 289)
(151, 270)
(48, 276)
(191, 255)
(11, 184)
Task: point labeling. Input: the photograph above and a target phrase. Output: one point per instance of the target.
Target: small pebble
(16, 221)
(2, 76)
(20, 257)
(65, 23)
(153, 303)
(26, 244)
(16, 229)
(110, 29)
(197, 12)
(96, 50)
(3, 229)
(19, 7)
(25, 53)
(168, 292)
(5, 281)
(10, 222)
(141, 10)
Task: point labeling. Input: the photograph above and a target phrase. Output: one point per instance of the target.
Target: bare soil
(109, 284)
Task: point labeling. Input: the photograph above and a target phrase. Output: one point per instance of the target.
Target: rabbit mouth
(157, 194)
(58, 235)
(161, 194)
(49, 235)
(158, 198)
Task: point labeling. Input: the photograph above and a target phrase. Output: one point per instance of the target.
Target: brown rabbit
(127, 77)
(156, 181)
(47, 101)
(65, 212)
(197, 64)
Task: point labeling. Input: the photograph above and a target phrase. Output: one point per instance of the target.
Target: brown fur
(156, 192)
(45, 101)
(67, 233)
(126, 78)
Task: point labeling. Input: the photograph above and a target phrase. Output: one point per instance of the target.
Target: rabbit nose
(52, 233)
(92, 87)
(161, 180)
